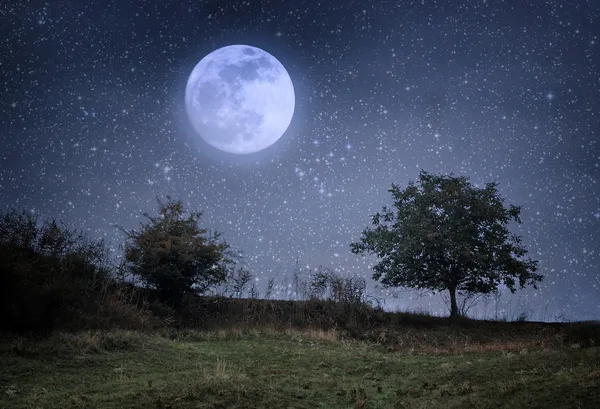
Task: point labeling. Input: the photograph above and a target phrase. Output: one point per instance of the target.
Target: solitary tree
(175, 256)
(446, 235)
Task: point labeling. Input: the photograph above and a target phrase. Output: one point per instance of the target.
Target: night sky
(93, 125)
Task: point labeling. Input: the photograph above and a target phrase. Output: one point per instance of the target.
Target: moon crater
(240, 99)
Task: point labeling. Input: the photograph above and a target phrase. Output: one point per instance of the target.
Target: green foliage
(48, 273)
(446, 235)
(175, 256)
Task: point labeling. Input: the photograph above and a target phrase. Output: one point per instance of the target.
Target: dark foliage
(48, 273)
(446, 235)
(174, 255)
(53, 278)
(325, 284)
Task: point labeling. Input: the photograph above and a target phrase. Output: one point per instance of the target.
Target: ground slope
(281, 370)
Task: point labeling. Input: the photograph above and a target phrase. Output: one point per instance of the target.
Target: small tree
(175, 256)
(447, 235)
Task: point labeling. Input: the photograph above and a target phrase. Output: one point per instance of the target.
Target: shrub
(174, 255)
(48, 273)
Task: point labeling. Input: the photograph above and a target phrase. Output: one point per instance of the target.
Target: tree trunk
(453, 305)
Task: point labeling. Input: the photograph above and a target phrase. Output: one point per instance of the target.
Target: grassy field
(284, 369)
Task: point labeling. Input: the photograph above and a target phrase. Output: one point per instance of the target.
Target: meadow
(439, 366)
(75, 334)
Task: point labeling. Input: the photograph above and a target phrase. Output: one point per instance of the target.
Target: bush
(325, 284)
(174, 255)
(52, 277)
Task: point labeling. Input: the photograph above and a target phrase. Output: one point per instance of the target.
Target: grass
(285, 369)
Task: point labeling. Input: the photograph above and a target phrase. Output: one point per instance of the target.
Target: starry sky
(93, 126)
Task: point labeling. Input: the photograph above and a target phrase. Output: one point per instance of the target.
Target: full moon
(240, 99)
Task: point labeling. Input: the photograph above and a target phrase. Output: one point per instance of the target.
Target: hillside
(285, 369)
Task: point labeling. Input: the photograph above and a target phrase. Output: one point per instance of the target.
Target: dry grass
(289, 368)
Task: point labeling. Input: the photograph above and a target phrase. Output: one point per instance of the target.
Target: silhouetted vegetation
(446, 235)
(175, 256)
(55, 282)
(55, 279)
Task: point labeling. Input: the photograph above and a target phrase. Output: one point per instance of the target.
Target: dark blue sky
(93, 124)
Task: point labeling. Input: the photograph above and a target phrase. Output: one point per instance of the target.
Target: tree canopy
(174, 255)
(447, 235)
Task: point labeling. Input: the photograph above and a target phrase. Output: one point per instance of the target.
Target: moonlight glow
(240, 99)
(96, 125)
